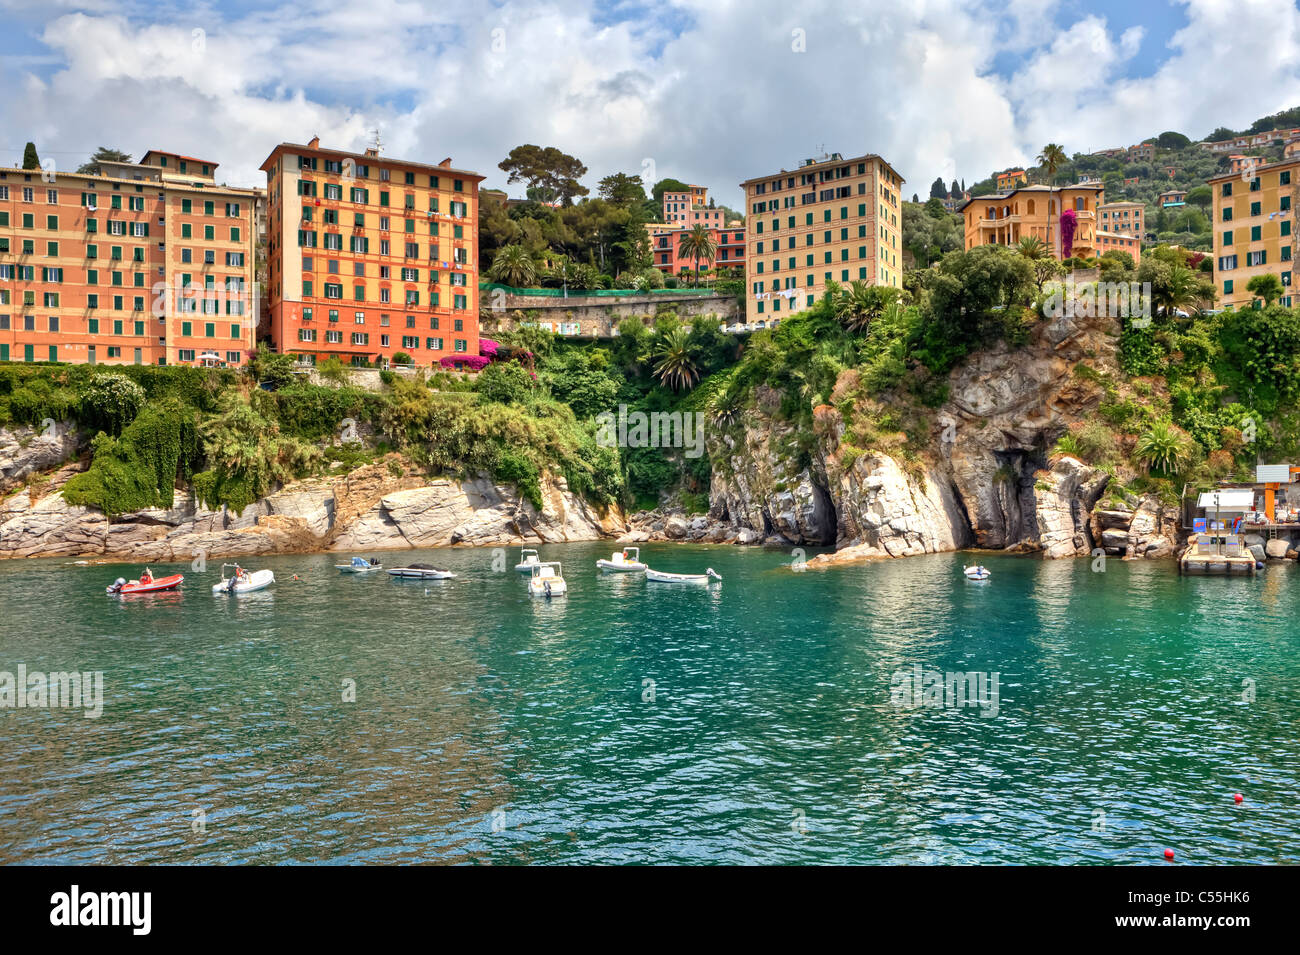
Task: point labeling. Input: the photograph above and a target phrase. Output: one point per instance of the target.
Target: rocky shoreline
(989, 481)
(382, 506)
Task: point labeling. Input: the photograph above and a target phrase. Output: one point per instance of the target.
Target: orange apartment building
(1005, 219)
(830, 220)
(144, 263)
(370, 256)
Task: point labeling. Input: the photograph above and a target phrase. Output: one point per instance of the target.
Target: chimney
(315, 142)
(372, 152)
(446, 163)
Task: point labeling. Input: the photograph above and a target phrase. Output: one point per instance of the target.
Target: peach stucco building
(145, 263)
(370, 256)
(1006, 218)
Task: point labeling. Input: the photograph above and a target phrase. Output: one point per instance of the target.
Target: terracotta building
(371, 256)
(144, 263)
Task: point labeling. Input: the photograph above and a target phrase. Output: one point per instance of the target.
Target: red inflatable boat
(152, 586)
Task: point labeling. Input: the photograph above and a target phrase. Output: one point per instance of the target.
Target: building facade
(679, 204)
(1255, 227)
(144, 263)
(1122, 218)
(1012, 178)
(665, 247)
(830, 220)
(1005, 219)
(371, 256)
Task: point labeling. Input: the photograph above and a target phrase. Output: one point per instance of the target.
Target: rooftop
(368, 157)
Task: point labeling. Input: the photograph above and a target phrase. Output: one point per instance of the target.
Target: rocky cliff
(377, 507)
(986, 479)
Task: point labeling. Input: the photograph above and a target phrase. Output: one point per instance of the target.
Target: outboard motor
(118, 585)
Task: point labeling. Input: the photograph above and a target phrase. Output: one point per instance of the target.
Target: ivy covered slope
(157, 429)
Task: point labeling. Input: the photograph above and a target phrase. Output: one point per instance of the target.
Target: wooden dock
(1207, 555)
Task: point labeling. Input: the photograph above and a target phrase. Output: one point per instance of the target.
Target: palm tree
(1031, 247)
(1162, 448)
(676, 366)
(514, 266)
(859, 304)
(1051, 158)
(698, 243)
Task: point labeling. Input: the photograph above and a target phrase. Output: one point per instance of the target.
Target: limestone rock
(1276, 549)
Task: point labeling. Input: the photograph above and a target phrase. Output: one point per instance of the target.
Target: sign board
(1198, 525)
(1273, 473)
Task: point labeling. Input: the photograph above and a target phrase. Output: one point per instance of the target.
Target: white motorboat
(528, 559)
(659, 577)
(243, 581)
(360, 565)
(547, 580)
(976, 572)
(625, 561)
(420, 572)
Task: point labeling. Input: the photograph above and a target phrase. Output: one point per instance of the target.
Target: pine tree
(30, 159)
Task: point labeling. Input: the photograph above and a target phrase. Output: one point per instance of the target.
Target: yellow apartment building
(143, 263)
(1012, 178)
(370, 256)
(1122, 218)
(1254, 227)
(830, 220)
(1006, 218)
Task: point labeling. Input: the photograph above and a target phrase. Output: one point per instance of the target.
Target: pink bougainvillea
(466, 362)
(488, 347)
(1068, 225)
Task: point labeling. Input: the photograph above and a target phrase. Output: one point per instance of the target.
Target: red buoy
(1169, 854)
(1237, 797)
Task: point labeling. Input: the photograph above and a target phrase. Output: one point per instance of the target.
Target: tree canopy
(546, 168)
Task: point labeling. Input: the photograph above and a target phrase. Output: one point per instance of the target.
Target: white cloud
(725, 97)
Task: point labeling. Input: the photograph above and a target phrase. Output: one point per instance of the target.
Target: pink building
(665, 247)
(678, 206)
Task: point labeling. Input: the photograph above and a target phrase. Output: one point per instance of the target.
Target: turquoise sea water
(492, 727)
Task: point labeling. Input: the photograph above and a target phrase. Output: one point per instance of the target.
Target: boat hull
(609, 567)
(156, 586)
(417, 573)
(660, 577)
(258, 580)
(558, 587)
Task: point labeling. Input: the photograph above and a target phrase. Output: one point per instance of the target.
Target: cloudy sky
(708, 91)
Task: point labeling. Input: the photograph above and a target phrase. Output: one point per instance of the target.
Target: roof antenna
(376, 144)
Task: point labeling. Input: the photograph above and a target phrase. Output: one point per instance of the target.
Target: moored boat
(243, 581)
(977, 572)
(147, 584)
(360, 565)
(420, 572)
(625, 561)
(547, 580)
(528, 559)
(661, 577)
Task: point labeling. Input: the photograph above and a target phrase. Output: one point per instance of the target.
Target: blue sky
(709, 91)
